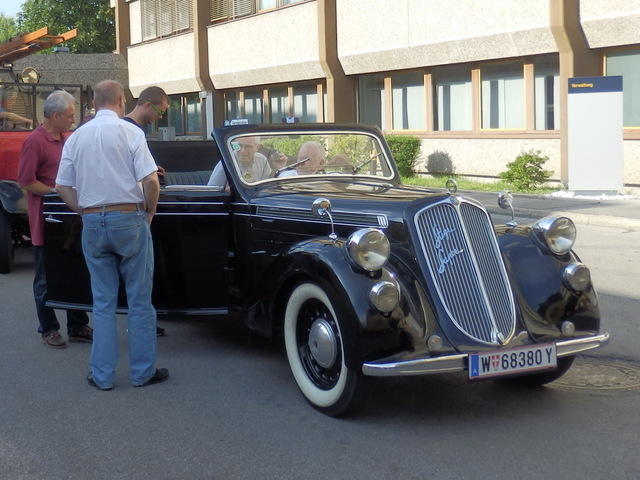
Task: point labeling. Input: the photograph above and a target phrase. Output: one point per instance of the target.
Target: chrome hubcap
(322, 343)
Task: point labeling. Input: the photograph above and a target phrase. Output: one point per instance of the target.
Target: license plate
(514, 360)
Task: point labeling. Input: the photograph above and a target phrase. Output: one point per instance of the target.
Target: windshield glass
(270, 157)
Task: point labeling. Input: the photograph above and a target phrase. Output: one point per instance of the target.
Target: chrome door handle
(50, 219)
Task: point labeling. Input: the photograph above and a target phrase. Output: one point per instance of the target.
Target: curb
(579, 218)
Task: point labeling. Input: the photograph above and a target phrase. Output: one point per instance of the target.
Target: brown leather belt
(116, 207)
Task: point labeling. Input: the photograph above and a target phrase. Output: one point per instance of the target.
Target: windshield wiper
(291, 167)
(357, 168)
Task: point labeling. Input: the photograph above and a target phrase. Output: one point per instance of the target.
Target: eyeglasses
(157, 109)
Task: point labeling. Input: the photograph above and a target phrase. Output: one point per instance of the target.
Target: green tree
(94, 20)
(8, 28)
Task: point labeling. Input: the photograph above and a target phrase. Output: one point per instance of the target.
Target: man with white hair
(37, 170)
(311, 160)
(253, 165)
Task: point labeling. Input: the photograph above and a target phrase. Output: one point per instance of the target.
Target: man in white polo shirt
(108, 175)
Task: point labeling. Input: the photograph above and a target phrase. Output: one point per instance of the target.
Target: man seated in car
(253, 165)
(311, 160)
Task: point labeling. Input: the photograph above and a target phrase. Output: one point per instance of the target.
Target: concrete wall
(378, 35)
(168, 63)
(631, 161)
(274, 47)
(488, 156)
(609, 23)
(76, 68)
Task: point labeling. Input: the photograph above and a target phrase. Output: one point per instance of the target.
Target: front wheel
(6, 243)
(539, 379)
(314, 340)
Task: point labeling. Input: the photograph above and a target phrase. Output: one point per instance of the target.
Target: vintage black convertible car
(359, 273)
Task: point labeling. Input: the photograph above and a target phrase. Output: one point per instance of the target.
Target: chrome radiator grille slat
(465, 264)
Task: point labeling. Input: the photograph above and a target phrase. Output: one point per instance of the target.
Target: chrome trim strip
(421, 366)
(380, 219)
(459, 362)
(192, 188)
(161, 311)
(571, 347)
(203, 214)
(190, 203)
(318, 222)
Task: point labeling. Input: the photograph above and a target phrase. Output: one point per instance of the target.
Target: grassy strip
(465, 184)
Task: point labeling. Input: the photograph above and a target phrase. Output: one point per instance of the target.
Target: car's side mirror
(321, 207)
(505, 201)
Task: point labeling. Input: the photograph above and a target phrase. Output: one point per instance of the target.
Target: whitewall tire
(314, 340)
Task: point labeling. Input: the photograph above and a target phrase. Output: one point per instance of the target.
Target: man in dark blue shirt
(150, 107)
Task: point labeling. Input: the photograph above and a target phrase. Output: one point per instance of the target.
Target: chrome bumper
(459, 362)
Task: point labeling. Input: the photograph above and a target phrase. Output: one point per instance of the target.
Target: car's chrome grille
(464, 261)
(343, 218)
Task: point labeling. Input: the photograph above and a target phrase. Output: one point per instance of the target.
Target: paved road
(231, 409)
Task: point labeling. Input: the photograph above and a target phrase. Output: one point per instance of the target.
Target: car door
(190, 234)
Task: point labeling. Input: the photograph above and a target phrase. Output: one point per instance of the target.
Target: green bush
(525, 173)
(405, 150)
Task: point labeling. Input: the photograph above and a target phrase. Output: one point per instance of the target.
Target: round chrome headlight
(576, 276)
(369, 248)
(558, 233)
(384, 296)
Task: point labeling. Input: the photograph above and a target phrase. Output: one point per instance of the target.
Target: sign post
(595, 148)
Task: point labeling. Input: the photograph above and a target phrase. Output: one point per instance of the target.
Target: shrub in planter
(526, 172)
(405, 150)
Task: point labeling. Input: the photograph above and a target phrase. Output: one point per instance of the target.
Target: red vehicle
(19, 102)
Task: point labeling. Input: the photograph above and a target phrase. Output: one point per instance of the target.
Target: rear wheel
(538, 379)
(314, 340)
(6, 243)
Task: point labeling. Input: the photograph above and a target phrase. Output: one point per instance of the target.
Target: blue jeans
(118, 245)
(46, 316)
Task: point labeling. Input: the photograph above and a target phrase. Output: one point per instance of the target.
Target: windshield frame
(381, 146)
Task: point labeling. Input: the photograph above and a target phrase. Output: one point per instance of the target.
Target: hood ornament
(452, 186)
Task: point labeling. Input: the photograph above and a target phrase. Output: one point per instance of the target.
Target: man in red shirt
(37, 170)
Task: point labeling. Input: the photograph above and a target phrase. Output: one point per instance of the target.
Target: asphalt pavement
(602, 212)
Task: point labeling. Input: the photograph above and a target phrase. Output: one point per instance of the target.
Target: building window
(408, 101)
(253, 106)
(547, 93)
(305, 103)
(452, 99)
(371, 99)
(222, 10)
(279, 103)
(627, 64)
(184, 114)
(502, 90)
(232, 105)
(165, 17)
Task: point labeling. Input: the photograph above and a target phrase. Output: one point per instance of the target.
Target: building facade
(479, 82)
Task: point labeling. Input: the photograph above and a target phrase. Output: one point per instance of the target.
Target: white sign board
(595, 152)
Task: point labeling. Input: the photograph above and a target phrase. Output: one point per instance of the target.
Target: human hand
(161, 171)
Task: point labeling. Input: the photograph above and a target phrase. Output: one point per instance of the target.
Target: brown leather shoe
(83, 334)
(54, 340)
